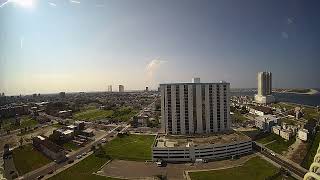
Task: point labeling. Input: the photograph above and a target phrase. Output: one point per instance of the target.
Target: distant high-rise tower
(109, 88)
(147, 88)
(62, 94)
(264, 95)
(195, 80)
(121, 88)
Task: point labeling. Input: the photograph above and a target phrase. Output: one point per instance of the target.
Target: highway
(54, 166)
(297, 170)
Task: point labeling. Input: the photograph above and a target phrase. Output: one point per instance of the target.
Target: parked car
(70, 162)
(40, 177)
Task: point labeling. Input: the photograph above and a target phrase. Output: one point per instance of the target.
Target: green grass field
(288, 121)
(308, 160)
(70, 146)
(83, 170)
(27, 159)
(282, 105)
(238, 117)
(26, 121)
(124, 113)
(254, 169)
(279, 145)
(131, 147)
(310, 113)
(121, 114)
(93, 114)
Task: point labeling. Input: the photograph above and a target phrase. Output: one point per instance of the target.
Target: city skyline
(55, 46)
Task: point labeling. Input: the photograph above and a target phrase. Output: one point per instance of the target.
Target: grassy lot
(251, 134)
(284, 105)
(93, 114)
(130, 147)
(26, 121)
(279, 145)
(288, 121)
(124, 113)
(254, 169)
(83, 170)
(310, 113)
(238, 117)
(313, 147)
(70, 146)
(27, 159)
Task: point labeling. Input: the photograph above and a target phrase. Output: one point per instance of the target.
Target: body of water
(311, 100)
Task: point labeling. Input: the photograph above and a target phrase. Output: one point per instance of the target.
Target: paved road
(54, 166)
(295, 169)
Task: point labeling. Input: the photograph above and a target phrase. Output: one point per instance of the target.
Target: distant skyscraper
(62, 94)
(264, 83)
(147, 88)
(195, 108)
(121, 88)
(195, 80)
(264, 95)
(109, 88)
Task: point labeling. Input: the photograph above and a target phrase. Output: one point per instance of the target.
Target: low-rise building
(63, 134)
(50, 149)
(259, 110)
(171, 148)
(65, 114)
(80, 125)
(276, 129)
(303, 134)
(88, 132)
(265, 122)
(286, 134)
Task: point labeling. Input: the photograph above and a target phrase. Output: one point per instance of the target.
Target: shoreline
(311, 92)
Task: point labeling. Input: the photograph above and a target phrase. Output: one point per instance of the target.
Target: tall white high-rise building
(195, 108)
(264, 95)
(109, 88)
(121, 88)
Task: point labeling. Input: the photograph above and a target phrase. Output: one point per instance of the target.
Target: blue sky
(84, 45)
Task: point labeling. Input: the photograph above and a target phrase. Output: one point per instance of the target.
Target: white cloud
(75, 2)
(152, 67)
(284, 35)
(52, 4)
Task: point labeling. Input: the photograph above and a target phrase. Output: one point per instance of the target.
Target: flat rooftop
(199, 140)
(191, 83)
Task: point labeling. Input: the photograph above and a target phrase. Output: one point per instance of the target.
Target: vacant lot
(26, 121)
(313, 147)
(130, 147)
(70, 146)
(93, 114)
(254, 169)
(83, 170)
(124, 113)
(276, 143)
(27, 159)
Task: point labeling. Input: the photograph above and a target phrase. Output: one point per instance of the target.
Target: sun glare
(25, 3)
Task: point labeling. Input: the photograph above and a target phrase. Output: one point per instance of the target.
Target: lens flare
(24, 3)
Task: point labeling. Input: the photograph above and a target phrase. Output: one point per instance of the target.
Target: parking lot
(138, 170)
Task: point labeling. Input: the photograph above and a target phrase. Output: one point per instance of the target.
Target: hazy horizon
(51, 46)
